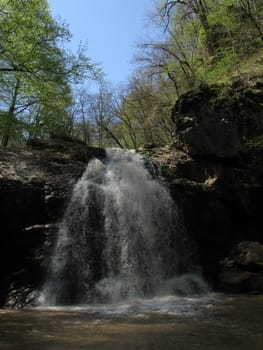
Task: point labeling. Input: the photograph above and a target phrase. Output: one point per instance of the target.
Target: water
(122, 276)
(211, 322)
(121, 238)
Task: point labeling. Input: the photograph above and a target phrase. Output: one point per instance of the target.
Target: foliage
(213, 37)
(200, 42)
(36, 73)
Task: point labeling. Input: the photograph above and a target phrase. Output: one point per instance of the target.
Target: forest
(44, 88)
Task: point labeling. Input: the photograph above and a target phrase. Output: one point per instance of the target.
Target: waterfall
(120, 238)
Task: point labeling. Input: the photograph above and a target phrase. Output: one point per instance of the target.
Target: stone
(35, 184)
(220, 120)
(217, 181)
(248, 255)
(242, 269)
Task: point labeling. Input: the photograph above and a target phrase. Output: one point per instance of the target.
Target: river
(211, 322)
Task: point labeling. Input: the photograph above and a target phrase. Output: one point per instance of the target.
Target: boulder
(242, 269)
(220, 120)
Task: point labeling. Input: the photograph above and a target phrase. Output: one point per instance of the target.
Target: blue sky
(111, 29)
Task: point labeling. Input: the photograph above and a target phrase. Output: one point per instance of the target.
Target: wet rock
(216, 174)
(35, 183)
(242, 269)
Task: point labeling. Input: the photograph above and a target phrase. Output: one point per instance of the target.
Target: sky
(110, 28)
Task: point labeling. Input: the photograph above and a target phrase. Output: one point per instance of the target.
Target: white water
(120, 239)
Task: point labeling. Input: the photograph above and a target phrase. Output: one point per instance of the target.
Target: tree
(36, 74)
(83, 126)
(175, 55)
(203, 40)
(253, 11)
(143, 112)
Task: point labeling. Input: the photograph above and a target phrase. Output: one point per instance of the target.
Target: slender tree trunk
(11, 119)
(112, 136)
(246, 6)
(100, 133)
(85, 131)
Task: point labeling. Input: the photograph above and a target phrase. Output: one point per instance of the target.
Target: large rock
(215, 168)
(220, 120)
(242, 269)
(220, 202)
(35, 183)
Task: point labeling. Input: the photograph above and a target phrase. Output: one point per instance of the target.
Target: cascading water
(120, 238)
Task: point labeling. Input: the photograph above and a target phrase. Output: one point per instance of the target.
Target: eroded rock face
(220, 120)
(35, 183)
(215, 172)
(220, 202)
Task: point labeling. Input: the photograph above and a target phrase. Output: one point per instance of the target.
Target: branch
(13, 69)
(111, 135)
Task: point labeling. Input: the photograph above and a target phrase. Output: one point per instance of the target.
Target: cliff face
(220, 121)
(35, 183)
(215, 172)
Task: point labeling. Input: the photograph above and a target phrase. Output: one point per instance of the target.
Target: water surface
(213, 322)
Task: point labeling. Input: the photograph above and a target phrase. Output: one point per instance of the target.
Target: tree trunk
(11, 119)
(112, 135)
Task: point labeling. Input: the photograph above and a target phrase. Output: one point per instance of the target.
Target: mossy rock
(220, 120)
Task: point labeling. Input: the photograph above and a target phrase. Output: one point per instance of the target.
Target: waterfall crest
(120, 237)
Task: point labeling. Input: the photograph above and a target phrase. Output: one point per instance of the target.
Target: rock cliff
(35, 183)
(215, 170)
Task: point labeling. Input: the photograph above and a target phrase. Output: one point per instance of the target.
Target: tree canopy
(36, 73)
(200, 42)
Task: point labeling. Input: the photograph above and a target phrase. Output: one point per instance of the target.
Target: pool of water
(214, 322)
